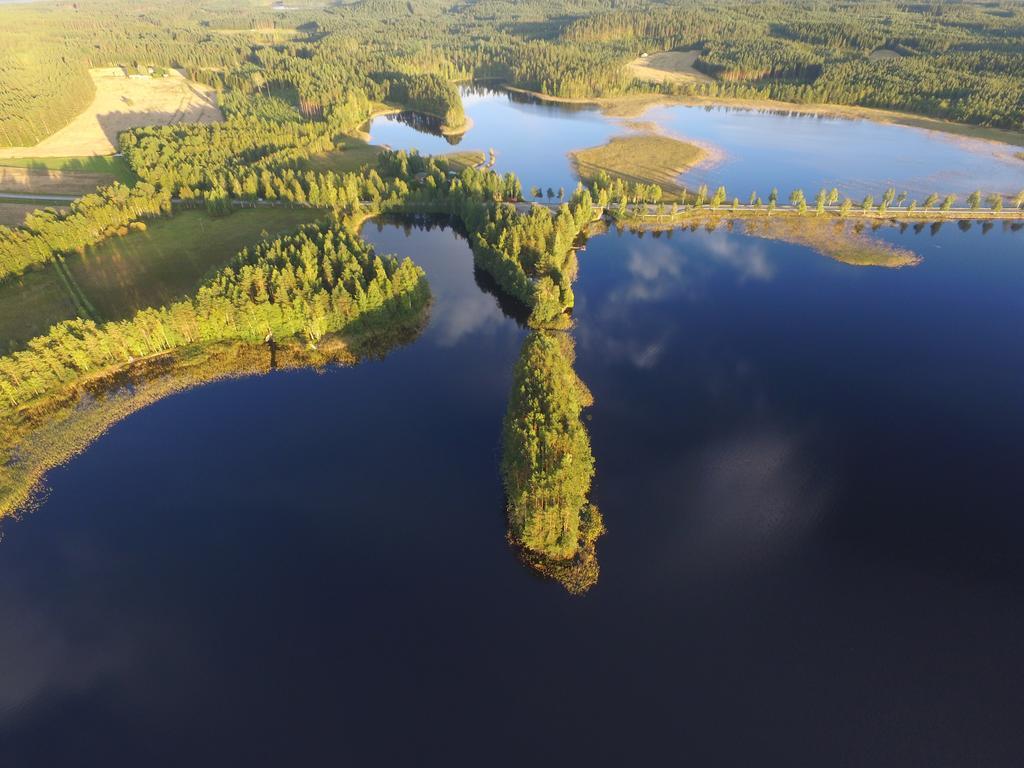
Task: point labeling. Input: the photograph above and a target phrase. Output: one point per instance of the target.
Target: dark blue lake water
(809, 472)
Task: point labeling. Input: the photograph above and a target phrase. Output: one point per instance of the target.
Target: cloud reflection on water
(752, 496)
(663, 270)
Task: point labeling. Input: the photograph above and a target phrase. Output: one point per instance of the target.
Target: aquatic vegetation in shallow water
(837, 240)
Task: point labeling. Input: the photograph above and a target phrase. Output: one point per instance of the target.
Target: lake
(756, 149)
(808, 471)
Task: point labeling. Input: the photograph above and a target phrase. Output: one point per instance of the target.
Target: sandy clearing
(668, 66)
(884, 53)
(125, 102)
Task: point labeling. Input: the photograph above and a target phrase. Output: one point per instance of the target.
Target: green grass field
(169, 260)
(143, 269)
(346, 160)
(357, 154)
(30, 304)
(116, 167)
(642, 159)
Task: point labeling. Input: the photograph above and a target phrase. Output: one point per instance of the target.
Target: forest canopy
(962, 61)
(547, 463)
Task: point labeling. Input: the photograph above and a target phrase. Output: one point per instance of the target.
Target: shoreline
(447, 130)
(58, 426)
(363, 133)
(636, 105)
(688, 218)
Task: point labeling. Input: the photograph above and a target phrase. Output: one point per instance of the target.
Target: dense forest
(430, 94)
(547, 464)
(957, 60)
(318, 281)
(43, 84)
(960, 61)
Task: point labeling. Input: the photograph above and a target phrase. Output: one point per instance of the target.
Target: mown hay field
(123, 102)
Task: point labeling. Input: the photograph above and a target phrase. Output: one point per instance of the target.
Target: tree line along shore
(321, 285)
(956, 61)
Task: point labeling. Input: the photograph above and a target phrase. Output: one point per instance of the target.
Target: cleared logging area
(884, 54)
(123, 102)
(667, 67)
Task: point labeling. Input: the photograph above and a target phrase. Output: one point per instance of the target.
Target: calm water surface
(809, 473)
(756, 150)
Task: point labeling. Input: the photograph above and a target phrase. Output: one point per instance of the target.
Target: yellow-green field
(667, 67)
(142, 269)
(349, 159)
(123, 102)
(640, 159)
(62, 175)
(30, 304)
(115, 166)
(461, 160)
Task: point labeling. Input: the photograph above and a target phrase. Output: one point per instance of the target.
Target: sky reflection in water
(807, 470)
(759, 149)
